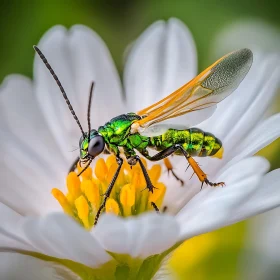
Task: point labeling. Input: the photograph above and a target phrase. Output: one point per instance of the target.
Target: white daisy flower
(261, 256)
(38, 131)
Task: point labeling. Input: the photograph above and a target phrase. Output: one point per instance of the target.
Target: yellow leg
(201, 175)
(197, 170)
(169, 167)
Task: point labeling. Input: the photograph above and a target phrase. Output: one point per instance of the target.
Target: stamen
(155, 173)
(91, 191)
(158, 194)
(128, 197)
(61, 198)
(87, 174)
(110, 160)
(112, 206)
(101, 169)
(138, 179)
(83, 210)
(73, 186)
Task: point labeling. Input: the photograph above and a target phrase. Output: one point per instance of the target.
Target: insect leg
(109, 189)
(150, 186)
(197, 170)
(86, 167)
(169, 167)
(74, 165)
(155, 207)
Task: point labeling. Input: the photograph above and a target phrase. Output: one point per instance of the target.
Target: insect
(146, 129)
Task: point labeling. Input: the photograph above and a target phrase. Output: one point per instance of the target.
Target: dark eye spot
(96, 146)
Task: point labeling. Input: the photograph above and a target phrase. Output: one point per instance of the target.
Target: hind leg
(197, 170)
(170, 168)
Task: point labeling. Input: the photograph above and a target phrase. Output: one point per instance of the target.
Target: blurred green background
(22, 23)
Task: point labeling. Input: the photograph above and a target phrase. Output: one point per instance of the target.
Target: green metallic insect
(140, 131)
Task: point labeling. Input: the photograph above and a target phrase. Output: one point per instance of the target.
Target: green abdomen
(195, 141)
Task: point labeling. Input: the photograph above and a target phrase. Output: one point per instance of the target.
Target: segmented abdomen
(195, 141)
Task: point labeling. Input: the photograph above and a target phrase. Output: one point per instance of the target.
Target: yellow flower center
(84, 195)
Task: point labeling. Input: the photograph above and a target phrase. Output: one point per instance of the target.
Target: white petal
(254, 34)
(92, 61)
(263, 234)
(265, 198)
(140, 236)
(59, 236)
(161, 60)
(14, 266)
(11, 235)
(264, 134)
(20, 118)
(26, 199)
(213, 208)
(78, 57)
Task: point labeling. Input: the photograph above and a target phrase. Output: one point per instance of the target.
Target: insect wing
(159, 129)
(206, 90)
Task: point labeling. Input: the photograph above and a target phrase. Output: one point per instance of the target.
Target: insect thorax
(116, 131)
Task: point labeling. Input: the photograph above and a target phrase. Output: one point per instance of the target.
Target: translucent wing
(158, 129)
(207, 89)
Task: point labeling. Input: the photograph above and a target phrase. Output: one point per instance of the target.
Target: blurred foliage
(23, 22)
(214, 255)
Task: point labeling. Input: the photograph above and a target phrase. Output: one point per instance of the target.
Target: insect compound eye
(96, 146)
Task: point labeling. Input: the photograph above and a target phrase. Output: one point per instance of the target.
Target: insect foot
(207, 182)
(170, 168)
(150, 186)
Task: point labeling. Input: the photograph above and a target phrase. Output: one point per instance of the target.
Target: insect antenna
(89, 108)
(43, 58)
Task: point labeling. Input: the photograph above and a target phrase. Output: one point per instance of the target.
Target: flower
(261, 256)
(37, 127)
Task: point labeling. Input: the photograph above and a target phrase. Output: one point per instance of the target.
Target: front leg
(109, 189)
(74, 165)
(132, 159)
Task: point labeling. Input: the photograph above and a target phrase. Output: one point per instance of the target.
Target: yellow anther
(101, 169)
(83, 210)
(87, 174)
(112, 170)
(158, 194)
(138, 179)
(144, 162)
(60, 197)
(91, 191)
(110, 160)
(127, 196)
(121, 178)
(112, 206)
(155, 173)
(73, 185)
(127, 199)
(127, 167)
(143, 196)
